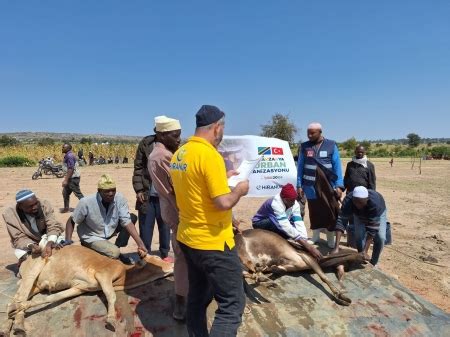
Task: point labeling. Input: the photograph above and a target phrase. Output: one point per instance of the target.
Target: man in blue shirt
(71, 182)
(101, 216)
(368, 210)
(319, 179)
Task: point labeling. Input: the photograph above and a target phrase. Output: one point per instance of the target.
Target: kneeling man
(368, 210)
(31, 224)
(101, 216)
(281, 215)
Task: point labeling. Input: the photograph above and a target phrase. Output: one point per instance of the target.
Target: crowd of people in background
(92, 160)
(184, 190)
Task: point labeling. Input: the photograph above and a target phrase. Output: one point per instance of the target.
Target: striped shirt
(369, 215)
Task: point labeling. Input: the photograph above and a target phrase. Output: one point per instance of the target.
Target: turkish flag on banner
(277, 150)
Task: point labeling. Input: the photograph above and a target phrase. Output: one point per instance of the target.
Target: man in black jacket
(360, 171)
(147, 200)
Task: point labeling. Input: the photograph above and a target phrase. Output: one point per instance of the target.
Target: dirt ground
(418, 209)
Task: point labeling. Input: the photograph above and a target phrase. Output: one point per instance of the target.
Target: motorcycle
(47, 167)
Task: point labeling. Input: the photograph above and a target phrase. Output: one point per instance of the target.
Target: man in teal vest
(319, 179)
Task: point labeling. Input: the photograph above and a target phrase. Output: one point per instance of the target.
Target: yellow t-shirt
(198, 176)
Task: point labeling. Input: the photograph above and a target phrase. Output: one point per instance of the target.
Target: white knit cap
(315, 126)
(360, 192)
(164, 124)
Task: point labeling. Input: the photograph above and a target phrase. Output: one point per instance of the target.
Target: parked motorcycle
(47, 167)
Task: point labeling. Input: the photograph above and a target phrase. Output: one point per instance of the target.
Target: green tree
(280, 127)
(349, 145)
(86, 140)
(413, 139)
(8, 141)
(46, 141)
(366, 144)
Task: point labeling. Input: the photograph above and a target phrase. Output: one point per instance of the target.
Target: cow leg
(6, 327)
(19, 325)
(340, 298)
(107, 287)
(72, 292)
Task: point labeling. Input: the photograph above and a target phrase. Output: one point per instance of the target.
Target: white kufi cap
(360, 192)
(165, 124)
(315, 126)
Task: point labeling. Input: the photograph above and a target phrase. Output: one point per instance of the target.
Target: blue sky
(369, 69)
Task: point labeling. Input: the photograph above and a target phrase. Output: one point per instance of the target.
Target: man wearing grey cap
(31, 225)
(368, 210)
(205, 233)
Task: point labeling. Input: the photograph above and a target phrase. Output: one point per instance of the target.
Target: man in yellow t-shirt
(205, 232)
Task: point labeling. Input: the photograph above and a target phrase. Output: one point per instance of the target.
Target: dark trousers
(214, 274)
(72, 186)
(268, 225)
(147, 224)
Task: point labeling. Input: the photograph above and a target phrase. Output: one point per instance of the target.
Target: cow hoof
(6, 328)
(19, 331)
(111, 324)
(340, 272)
(342, 299)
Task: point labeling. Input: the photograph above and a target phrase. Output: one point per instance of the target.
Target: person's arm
(158, 170)
(300, 167)
(347, 177)
(369, 240)
(125, 221)
(342, 220)
(281, 221)
(131, 229)
(54, 227)
(225, 202)
(341, 227)
(299, 225)
(215, 175)
(139, 167)
(311, 249)
(372, 177)
(70, 225)
(70, 162)
(338, 185)
(78, 216)
(19, 239)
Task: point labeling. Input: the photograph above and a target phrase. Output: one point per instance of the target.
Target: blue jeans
(268, 225)
(147, 224)
(379, 240)
(214, 274)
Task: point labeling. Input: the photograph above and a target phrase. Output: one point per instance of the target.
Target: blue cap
(24, 195)
(207, 115)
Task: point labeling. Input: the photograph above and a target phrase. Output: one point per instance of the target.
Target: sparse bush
(8, 141)
(440, 152)
(16, 161)
(380, 152)
(46, 141)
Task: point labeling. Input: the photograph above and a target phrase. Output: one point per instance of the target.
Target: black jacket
(141, 178)
(358, 175)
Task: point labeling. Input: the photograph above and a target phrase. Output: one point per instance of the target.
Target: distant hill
(405, 141)
(34, 137)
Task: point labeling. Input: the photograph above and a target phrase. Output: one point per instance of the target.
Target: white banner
(276, 168)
